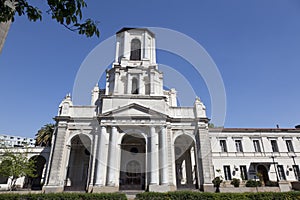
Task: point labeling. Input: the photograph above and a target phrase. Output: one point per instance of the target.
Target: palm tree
(44, 135)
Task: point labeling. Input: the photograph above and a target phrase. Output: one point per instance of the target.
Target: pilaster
(205, 172)
(55, 179)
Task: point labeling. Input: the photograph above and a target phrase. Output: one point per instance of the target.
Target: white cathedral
(133, 136)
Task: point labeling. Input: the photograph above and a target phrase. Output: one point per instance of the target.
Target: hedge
(253, 183)
(64, 196)
(182, 195)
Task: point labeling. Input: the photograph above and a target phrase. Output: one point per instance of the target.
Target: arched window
(135, 53)
(135, 89)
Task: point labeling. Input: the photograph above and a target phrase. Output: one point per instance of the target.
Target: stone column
(152, 85)
(112, 161)
(126, 43)
(101, 162)
(93, 167)
(141, 86)
(193, 163)
(116, 81)
(145, 49)
(154, 160)
(67, 162)
(129, 81)
(183, 172)
(189, 168)
(163, 156)
(107, 84)
(117, 52)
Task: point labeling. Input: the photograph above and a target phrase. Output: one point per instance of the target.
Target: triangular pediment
(133, 110)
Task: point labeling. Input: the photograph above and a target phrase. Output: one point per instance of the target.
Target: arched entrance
(185, 161)
(133, 160)
(37, 182)
(78, 168)
(261, 169)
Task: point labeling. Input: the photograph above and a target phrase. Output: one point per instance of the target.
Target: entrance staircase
(130, 194)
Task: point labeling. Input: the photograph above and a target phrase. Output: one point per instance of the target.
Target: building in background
(270, 155)
(41, 157)
(16, 141)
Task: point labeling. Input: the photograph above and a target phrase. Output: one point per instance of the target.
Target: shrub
(217, 181)
(235, 182)
(182, 195)
(253, 183)
(64, 196)
(271, 184)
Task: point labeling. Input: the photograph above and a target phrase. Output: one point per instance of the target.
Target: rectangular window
(289, 145)
(256, 146)
(274, 146)
(223, 145)
(227, 172)
(296, 172)
(244, 174)
(281, 173)
(238, 146)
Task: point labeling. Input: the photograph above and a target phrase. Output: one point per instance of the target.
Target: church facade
(134, 136)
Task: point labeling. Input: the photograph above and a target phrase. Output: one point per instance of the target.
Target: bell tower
(134, 46)
(134, 71)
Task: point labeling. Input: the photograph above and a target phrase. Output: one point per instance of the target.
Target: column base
(52, 189)
(90, 189)
(208, 187)
(284, 186)
(105, 189)
(159, 188)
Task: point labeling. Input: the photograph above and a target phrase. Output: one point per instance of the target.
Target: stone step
(130, 194)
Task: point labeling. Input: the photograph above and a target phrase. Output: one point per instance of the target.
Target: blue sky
(254, 43)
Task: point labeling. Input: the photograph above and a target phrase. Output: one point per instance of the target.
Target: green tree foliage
(15, 165)
(66, 12)
(44, 135)
(211, 125)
